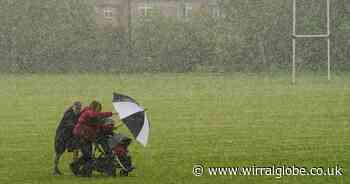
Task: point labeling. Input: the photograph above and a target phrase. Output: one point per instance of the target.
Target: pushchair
(110, 153)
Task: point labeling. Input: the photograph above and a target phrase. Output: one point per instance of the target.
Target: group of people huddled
(80, 129)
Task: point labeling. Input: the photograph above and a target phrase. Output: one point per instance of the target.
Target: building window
(215, 11)
(108, 13)
(145, 9)
(185, 10)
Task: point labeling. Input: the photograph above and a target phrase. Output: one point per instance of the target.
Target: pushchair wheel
(111, 172)
(123, 173)
(86, 171)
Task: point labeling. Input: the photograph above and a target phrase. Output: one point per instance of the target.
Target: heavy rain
(175, 91)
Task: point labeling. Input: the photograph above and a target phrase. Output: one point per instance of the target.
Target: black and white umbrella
(133, 116)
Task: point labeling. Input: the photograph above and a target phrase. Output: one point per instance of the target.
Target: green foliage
(45, 35)
(248, 36)
(255, 36)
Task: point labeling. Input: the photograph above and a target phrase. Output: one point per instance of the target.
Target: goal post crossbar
(312, 36)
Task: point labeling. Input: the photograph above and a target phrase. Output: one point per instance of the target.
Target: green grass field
(217, 120)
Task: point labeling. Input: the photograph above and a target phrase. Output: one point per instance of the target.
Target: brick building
(119, 13)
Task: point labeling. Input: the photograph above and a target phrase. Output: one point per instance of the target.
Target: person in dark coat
(64, 138)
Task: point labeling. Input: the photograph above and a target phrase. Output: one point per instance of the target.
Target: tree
(44, 35)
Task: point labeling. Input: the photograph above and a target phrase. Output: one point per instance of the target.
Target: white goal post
(327, 36)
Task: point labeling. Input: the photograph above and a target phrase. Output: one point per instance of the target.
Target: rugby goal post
(296, 36)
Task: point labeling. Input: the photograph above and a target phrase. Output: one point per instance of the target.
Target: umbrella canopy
(133, 116)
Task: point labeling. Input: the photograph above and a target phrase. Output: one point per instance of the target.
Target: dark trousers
(86, 151)
(81, 165)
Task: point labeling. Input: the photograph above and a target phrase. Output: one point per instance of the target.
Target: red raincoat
(84, 128)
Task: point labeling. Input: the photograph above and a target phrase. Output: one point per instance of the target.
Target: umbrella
(133, 116)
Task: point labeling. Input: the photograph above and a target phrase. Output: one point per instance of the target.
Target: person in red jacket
(86, 129)
(88, 122)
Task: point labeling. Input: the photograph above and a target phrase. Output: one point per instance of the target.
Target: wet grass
(216, 120)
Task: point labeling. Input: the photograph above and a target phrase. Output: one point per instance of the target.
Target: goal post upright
(294, 40)
(295, 36)
(328, 41)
